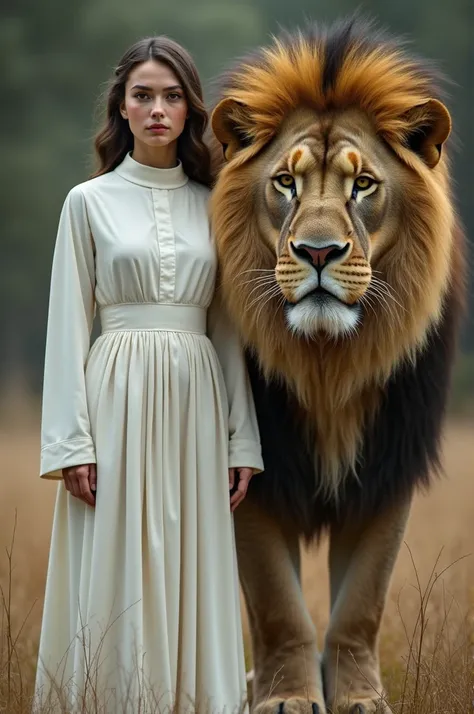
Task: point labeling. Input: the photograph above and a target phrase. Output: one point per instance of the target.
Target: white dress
(142, 601)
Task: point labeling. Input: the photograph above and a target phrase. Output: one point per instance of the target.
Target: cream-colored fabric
(145, 586)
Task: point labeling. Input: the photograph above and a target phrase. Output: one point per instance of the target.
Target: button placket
(166, 245)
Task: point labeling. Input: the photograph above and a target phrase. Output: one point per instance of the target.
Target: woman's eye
(362, 183)
(141, 96)
(174, 97)
(286, 180)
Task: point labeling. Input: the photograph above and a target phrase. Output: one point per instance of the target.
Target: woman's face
(154, 105)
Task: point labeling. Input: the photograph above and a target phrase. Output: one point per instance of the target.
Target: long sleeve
(244, 437)
(65, 430)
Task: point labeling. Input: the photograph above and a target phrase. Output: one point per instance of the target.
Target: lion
(342, 266)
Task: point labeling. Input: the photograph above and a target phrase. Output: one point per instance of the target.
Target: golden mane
(334, 72)
(338, 383)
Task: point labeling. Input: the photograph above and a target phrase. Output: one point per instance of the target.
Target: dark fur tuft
(337, 44)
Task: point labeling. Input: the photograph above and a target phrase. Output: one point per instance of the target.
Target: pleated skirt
(141, 608)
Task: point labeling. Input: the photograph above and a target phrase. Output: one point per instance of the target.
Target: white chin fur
(332, 317)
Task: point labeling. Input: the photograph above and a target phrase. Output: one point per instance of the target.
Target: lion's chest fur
(334, 402)
(325, 462)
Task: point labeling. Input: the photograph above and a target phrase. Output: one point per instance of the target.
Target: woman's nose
(157, 109)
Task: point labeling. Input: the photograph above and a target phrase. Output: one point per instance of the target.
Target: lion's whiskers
(260, 280)
(387, 286)
(254, 270)
(380, 299)
(379, 293)
(262, 294)
(263, 282)
(367, 300)
(381, 288)
(272, 295)
(272, 291)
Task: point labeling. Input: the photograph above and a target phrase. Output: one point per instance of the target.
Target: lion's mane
(365, 412)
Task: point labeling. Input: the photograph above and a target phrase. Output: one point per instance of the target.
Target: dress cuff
(245, 454)
(62, 454)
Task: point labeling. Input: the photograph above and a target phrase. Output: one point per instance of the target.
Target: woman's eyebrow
(166, 89)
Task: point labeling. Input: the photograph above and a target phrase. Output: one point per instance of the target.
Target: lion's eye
(362, 183)
(285, 180)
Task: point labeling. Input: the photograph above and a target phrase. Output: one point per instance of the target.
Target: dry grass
(427, 640)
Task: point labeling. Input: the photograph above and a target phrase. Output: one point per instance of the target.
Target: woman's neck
(163, 157)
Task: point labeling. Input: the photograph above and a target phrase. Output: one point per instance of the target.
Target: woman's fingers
(76, 481)
(245, 474)
(85, 487)
(93, 480)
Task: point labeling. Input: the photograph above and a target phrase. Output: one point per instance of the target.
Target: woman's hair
(115, 139)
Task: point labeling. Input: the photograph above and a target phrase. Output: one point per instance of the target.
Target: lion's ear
(430, 126)
(229, 122)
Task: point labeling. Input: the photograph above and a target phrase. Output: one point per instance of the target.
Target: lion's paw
(363, 706)
(294, 705)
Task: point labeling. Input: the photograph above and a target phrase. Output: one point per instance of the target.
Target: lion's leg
(361, 562)
(287, 673)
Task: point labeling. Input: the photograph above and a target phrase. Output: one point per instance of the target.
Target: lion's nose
(320, 257)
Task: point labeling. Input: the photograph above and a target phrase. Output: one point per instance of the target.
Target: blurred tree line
(55, 59)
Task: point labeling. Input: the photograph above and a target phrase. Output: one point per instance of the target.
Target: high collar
(151, 177)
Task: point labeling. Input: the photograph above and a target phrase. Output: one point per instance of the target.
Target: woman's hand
(81, 482)
(245, 474)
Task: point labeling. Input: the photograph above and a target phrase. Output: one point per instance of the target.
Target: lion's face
(326, 192)
(332, 209)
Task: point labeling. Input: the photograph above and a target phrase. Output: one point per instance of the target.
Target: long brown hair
(115, 139)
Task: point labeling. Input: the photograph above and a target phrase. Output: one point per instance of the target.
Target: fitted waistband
(166, 317)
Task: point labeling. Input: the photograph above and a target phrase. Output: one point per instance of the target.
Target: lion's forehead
(345, 156)
(348, 146)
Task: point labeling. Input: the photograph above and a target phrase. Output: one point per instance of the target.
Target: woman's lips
(158, 128)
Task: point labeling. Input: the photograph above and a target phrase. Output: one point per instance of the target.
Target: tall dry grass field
(427, 640)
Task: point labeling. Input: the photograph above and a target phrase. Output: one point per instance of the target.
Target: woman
(142, 605)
